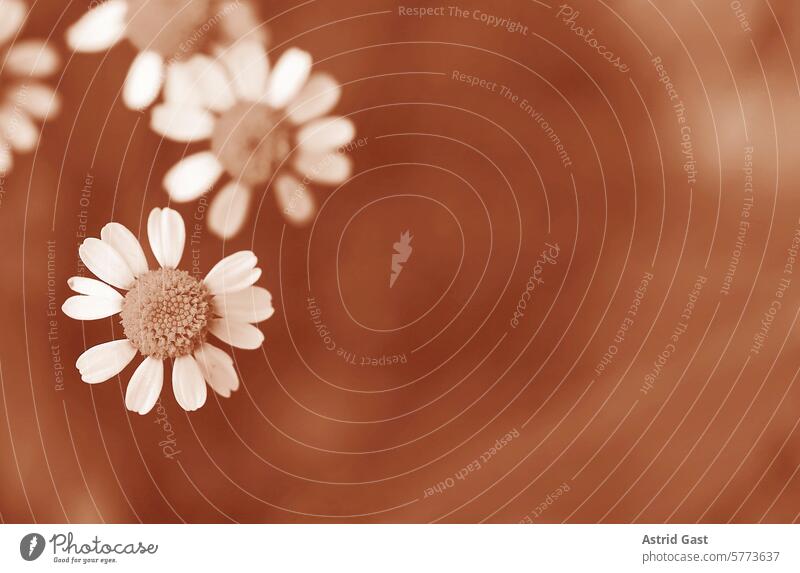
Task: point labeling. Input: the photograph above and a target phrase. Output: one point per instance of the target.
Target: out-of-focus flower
(256, 121)
(166, 313)
(164, 31)
(26, 98)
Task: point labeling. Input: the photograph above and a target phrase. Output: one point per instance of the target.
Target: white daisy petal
(290, 74)
(235, 263)
(200, 82)
(248, 68)
(212, 83)
(325, 134)
(192, 176)
(93, 287)
(18, 129)
(179, 86)
(217, 368)
(234, 272)
(12, 16)
(6, 158)
(103, 361)
(173, 237)
(240, 282)
(154, 234)
(33, 58)
(326, 168)
(106, 263)
(167, 235)
(180, 123)
(228, 210)
(295, 200)
(144, 80)
(100, 28)
(237, 334)
(252, 304)
(145, 386)
(82, 307)
(240, 20)
(318, 97)
(39, 100)
(127, 245)
(188, 383)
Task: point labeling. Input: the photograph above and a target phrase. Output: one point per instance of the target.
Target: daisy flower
(255, 121)
(25, 101)
(164, 31)
(166, 313)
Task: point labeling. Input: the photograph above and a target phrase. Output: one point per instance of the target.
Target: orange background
(311, 437)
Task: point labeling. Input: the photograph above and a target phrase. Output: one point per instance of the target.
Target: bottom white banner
(379, 548)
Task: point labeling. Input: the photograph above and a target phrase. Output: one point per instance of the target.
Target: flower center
(173, 28)
(249, 142)
(166, 313)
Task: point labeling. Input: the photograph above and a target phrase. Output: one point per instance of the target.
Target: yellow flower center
(249, 142)
(166, 313)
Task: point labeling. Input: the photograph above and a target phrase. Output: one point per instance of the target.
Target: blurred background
(596, 322)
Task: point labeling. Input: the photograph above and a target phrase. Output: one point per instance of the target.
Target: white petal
(192, 176)
(39, 100)
(18, 129)
(217, 368)
(237, 334)
(179, 86)
(103, 361)
(319, 96)
(33, 58)
(326, 168)
(252, 304)
(188, 383)
(6, 158)
(93, 287)
(100, 28)
(145, 386)
(325, 134)
(180, 123)
(199, 82)
(240, 20)
(248, 68)
(238, 283)
(167, 235)
(235, 272)
(106, 263)
(83, 307)
(144, 80)
(228, 210)
(154, 234)
(127, 245)
(290, 74)
(294, 199)
(237, 262)
(173, 237)
(12, 15)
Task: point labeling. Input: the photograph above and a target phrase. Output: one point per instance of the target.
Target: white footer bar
(406, 548)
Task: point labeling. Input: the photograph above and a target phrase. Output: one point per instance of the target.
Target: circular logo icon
(31, 546)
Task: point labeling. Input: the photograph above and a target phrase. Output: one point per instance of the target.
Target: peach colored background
(312, 438)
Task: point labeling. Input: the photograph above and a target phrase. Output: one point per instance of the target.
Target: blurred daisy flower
(256, 121)
(166, 313)
(26, 99)
(164, 31)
